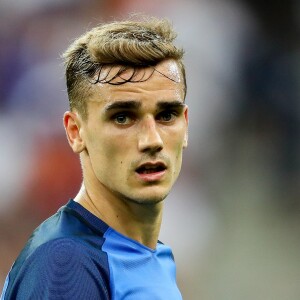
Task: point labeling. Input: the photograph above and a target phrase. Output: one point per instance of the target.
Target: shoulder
(63, 268)
(65, 256)
(62, 251)
(63, 259)
(65, 227)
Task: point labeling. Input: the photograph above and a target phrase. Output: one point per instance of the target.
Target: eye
(122, 119)
(166, 116)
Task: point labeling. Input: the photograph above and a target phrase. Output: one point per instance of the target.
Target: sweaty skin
(131, 150)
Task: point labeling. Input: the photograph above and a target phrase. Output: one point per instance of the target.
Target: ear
(72, 124)
(186, 116)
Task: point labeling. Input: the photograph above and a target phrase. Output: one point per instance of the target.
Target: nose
(149, 139)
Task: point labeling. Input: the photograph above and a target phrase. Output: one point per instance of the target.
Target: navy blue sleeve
(61, 269)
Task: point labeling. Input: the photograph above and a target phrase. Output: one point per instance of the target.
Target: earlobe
(72, 124)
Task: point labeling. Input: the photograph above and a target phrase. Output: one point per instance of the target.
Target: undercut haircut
(130, 45)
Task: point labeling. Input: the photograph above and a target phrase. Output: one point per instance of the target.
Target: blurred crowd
(233, 216)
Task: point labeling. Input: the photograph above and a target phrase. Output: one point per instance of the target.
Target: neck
(140, 222)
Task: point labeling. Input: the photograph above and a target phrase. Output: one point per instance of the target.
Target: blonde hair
(130, 43)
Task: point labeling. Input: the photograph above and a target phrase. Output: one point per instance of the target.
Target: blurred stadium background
(233, 219)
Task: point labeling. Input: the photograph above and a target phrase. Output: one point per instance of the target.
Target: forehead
(163, 81)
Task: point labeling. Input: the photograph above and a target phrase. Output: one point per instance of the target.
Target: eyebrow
(135, 105)
(170, 105)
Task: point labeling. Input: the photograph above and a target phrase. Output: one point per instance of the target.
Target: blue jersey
(74, 255)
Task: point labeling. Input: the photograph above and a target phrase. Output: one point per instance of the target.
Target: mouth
(149, 168)
(151, 171)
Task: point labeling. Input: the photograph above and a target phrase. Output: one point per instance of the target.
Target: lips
(149, 168)
(150, 172)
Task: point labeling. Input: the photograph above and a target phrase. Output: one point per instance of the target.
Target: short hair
(129, 44)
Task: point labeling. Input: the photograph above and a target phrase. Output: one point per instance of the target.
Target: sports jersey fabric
(75, 255)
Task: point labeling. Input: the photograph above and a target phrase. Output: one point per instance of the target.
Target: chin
(146, 199)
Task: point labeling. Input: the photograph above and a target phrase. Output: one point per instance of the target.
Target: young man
(128, 123)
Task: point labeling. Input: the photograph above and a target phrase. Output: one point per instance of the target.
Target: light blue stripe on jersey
(138, 272)
(5, 287)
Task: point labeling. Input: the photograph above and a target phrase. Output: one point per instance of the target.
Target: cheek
(175, 140)
(107, 163)
(174, 147)
(179, 152)
(114, 152)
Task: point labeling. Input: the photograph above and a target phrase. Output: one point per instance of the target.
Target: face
(135, 134)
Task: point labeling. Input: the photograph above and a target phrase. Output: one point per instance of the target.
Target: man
(128, 123)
